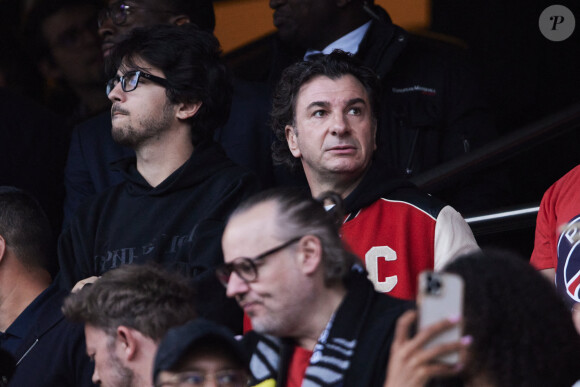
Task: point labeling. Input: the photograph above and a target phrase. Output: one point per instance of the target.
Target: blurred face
(119, 18)
(273, 301)
(141, 116)
(334, 132)
(304, 23)
(205, 368)
(109, 369)
(74, 45)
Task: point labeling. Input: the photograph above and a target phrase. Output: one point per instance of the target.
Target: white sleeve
(453, 237)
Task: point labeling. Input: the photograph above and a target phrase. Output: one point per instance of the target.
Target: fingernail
(458, 367)
(454, 319)
(466, 340)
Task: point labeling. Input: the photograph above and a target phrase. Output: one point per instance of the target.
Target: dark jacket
(365, 318)
(435, 111)
(53, 352)
(177, 224)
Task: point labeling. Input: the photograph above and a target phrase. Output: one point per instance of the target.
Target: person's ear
(126, 343)
(179, 20)
(291, 139)
(188, 110)
(310, 254)
(374, 134)
(2, 248)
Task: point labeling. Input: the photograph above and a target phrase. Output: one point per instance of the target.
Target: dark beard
(150, 128)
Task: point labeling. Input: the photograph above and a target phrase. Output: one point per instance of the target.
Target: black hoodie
(177, 224)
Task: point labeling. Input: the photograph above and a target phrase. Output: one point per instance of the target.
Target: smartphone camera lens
(433, 284)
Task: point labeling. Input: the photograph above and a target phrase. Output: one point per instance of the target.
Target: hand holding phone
(440, 297)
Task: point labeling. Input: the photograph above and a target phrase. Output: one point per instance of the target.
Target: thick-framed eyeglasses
(119, 11)
(245, 267)
(226, 378)
(130, 81)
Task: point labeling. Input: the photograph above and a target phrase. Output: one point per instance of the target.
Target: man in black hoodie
(324, 115)
(169, 94)
(245, 137)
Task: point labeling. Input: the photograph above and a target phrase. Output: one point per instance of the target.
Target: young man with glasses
(169, 94)
(315, 316)
(245, 136)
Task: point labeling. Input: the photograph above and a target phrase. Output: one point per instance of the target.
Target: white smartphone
(440, 297)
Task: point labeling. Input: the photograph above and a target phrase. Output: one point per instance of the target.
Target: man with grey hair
(126, 314)
(315, 315)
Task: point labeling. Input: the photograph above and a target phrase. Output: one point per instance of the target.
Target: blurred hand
(79, 285)
(410, 365)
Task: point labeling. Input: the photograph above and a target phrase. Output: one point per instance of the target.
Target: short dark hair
(522, 332)
(191, 62)
(146, 298)
(334, 66)
(298, 214)
(25, 227)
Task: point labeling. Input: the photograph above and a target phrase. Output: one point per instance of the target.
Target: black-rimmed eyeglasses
(117, 12)
(130, 80)
(246, 268)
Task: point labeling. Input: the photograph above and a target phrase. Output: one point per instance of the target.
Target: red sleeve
(545, 255)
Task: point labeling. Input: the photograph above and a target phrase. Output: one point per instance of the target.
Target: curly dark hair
(334, 66)
(522, 332)
(191, 62)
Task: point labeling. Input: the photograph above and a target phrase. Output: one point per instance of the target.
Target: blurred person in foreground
(126, 313)
(200, 353)
(316, 318)
(520, 331)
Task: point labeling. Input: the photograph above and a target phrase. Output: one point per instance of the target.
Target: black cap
(179, 341)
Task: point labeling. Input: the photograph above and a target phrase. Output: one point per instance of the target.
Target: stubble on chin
(125, 137)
